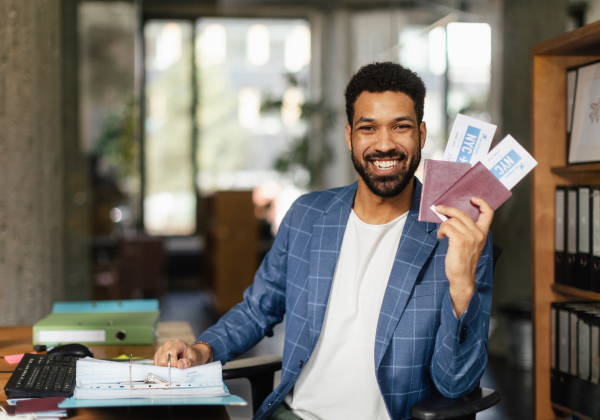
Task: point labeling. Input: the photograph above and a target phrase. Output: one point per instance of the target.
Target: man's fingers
(173, 348)
(455, 213)
(459, 225)
(446, 229)
(486, 213)
(184, 363)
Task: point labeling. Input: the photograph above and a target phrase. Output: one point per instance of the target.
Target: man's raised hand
(182, 354)
(466, 240)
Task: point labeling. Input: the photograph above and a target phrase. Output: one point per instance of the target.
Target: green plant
(116, 143)
(311, 151)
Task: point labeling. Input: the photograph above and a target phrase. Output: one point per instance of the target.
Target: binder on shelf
(595, 348)
(572, 231)
(557, 381)
(584, 226)
(575, 356)
(560, 232)
(595, 243)
(553, 349)
(583, 345)
(563, 340)
(573, 322)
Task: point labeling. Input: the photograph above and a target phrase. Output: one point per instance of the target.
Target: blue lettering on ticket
(468, 145)
(504, 165)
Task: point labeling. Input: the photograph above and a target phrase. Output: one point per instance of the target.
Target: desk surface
(14, 340)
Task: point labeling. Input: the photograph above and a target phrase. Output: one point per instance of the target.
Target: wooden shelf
(576, 293)
(576, 169)
(581, 41)
(567, 411)
(550, 59)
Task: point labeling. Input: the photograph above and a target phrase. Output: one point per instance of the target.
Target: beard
(387, 186)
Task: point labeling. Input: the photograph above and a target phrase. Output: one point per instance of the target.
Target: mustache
(386, 155)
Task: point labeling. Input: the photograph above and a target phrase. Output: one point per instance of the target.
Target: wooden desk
(14, 340)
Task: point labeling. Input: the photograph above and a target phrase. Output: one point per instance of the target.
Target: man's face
(385, 141)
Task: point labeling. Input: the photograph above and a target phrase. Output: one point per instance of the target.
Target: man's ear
(423, 134)
(349, 137)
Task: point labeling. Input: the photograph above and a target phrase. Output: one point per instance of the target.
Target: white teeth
(385, 164)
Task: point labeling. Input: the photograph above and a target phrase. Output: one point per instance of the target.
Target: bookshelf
(548, 126)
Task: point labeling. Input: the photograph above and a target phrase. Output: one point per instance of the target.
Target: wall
(31, 163)
(525, 22)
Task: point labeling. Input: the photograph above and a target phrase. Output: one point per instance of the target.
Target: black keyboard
(42, 375)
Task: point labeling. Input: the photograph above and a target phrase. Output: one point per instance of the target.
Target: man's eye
(366, 127)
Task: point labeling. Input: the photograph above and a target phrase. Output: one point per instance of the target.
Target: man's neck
(375, 210)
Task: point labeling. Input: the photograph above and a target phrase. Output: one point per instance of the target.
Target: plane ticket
(470, 140)
(509, 162)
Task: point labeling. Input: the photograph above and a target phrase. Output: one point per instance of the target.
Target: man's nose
(385, 141)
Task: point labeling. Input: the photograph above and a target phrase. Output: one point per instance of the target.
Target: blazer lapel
(326, 240)
(416, 245)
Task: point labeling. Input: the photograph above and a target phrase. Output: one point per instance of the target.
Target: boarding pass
(509, 162)
(469, 141)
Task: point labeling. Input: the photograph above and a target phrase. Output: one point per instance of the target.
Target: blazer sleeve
(262, 307)
(460, 355)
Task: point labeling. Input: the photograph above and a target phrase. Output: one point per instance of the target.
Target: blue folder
(126, 305)
(139, 402)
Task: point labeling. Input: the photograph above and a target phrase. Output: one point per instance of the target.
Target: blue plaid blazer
(420, 346)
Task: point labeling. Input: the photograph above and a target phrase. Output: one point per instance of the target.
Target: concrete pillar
(31, 161)
(77, 194)
(336, 72)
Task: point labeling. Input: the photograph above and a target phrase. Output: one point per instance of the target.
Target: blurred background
(151, 148)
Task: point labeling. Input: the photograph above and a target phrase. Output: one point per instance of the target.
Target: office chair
(260, 371)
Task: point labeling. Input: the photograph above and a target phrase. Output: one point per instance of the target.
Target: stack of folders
(577, 237)
(575, 357)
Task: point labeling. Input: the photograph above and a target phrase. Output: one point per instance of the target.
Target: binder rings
(560, 255)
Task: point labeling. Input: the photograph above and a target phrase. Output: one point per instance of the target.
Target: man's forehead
(370, 105)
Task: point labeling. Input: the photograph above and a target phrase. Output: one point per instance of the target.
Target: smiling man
(382, 310)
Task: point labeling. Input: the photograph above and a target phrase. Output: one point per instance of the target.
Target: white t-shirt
(338, 381)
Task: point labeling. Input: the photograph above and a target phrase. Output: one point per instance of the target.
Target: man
(382, 310)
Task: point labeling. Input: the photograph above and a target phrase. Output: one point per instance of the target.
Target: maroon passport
(438, 176)
(38, 405)
(477, 182)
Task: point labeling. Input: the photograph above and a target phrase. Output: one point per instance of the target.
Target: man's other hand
(466, 240)
(182, 354)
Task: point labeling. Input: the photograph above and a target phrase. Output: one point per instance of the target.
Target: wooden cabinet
(549, 62)
(232, 245)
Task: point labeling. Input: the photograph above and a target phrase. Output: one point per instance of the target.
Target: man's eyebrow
(404, 118)
(398, 119)
(364, 119)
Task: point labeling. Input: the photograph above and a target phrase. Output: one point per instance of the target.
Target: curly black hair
(383, 77)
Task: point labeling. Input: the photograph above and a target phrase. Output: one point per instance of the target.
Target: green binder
(97, 327)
